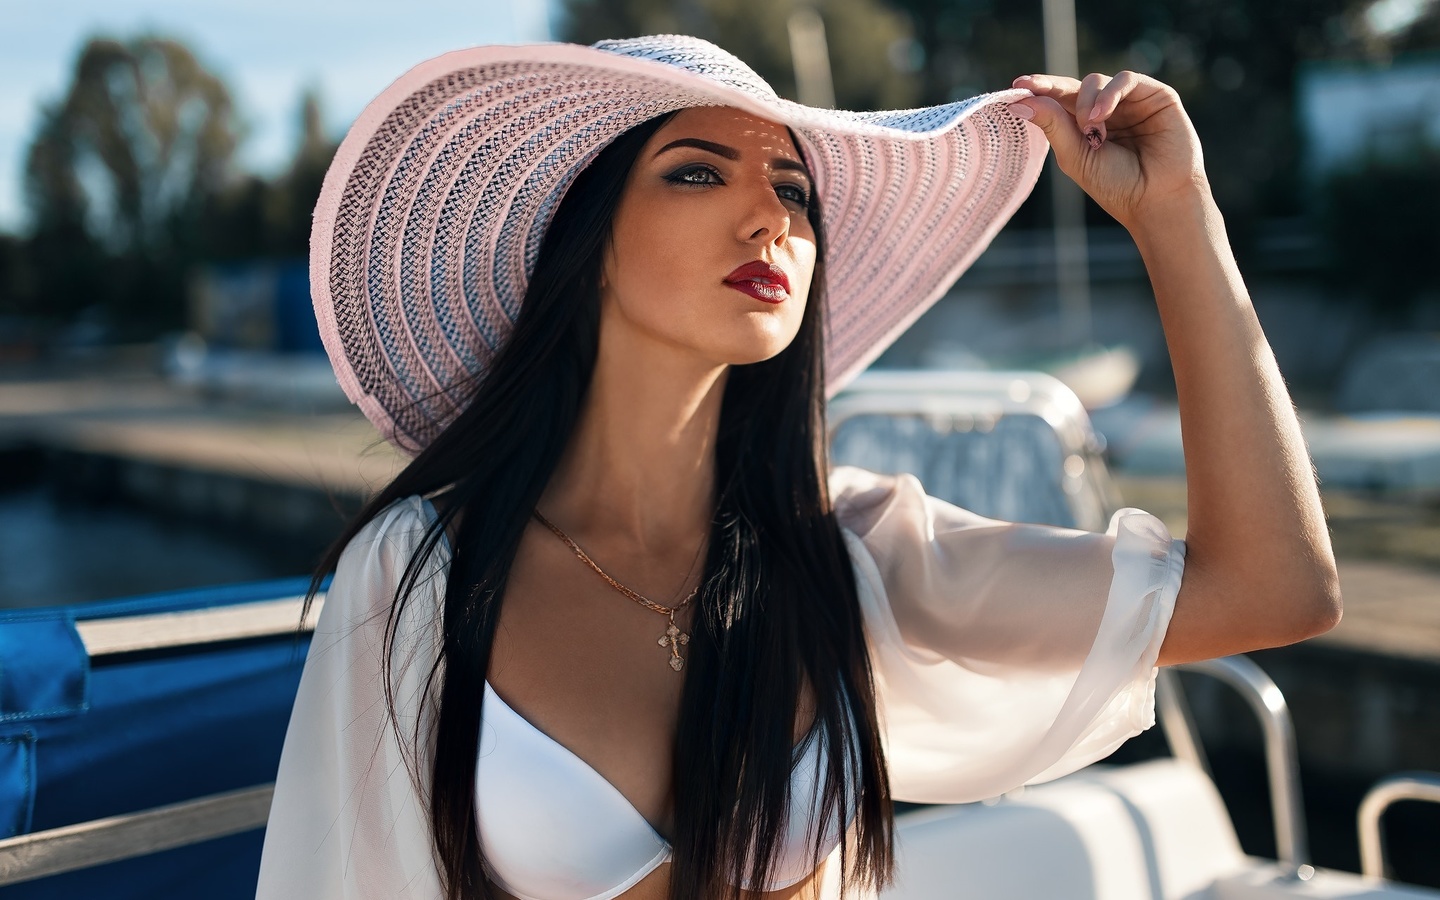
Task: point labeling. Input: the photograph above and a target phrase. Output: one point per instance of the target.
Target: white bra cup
(551, 826)
(797, 860)
(554, 829)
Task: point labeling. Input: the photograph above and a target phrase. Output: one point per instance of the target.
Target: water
(55, 551)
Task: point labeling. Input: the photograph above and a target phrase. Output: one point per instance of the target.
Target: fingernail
(1095, 137)
(1095, 114)
(1021, 112)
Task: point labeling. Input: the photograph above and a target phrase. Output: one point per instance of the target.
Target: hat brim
(432, 212)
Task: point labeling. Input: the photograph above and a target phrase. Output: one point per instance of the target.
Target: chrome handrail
(1424, 786)
(1177, 721)
(70, 848)
(119, 635)
(1282, 761)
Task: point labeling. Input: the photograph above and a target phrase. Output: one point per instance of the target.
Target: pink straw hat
(433, 210)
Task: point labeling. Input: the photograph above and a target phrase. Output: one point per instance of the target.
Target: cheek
(653, 248)
(804, 252)
(665, 269)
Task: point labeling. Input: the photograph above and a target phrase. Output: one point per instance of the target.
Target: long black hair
(777, 610)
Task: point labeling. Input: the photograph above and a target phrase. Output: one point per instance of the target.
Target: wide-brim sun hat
(432, 213)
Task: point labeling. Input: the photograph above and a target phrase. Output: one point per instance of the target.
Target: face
(711, 252)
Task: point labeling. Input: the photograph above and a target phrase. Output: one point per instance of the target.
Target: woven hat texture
(433, 210)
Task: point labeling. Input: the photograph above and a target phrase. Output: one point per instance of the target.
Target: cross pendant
(674, 638)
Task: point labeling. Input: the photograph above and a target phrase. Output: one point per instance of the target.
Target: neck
(641, 464)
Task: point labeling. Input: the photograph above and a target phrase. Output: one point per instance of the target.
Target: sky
(267, 51)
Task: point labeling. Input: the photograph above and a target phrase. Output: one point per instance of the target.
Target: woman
(613, 632)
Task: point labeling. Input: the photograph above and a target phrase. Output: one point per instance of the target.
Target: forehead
(732, 127)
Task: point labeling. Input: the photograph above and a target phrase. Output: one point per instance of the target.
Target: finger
(1056, 87)
(1108, 100)
(1058, 124)
(1090, 88)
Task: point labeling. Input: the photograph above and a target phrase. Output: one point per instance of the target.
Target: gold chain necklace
(673, 638)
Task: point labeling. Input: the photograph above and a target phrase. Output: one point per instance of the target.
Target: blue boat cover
(81, 741)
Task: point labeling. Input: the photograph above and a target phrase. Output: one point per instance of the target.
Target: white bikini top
(554, 829)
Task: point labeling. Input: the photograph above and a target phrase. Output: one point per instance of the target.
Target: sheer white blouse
(1004, 654)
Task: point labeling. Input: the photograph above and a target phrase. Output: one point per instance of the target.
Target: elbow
(1302, 606)
(1330, 605)
(1319, 608)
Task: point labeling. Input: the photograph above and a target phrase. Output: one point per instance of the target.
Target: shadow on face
(712, 253)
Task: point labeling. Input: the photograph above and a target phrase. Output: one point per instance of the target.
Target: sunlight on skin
(732, 192)
(689, 217)
(636, 484)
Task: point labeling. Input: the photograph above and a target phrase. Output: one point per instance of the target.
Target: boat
(139, 737)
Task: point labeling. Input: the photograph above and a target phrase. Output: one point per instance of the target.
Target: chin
(761, 341)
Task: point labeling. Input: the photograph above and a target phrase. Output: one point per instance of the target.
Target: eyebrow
(778, 162)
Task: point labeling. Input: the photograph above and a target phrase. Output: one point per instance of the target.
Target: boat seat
(1266, 882)
(1152, 831)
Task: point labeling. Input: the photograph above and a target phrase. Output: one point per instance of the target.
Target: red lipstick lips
(762, 280)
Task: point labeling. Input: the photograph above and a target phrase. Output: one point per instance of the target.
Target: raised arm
(1259, 568)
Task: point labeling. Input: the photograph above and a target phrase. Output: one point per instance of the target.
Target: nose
(766, 218)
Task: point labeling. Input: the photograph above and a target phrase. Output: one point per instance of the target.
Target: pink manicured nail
(1021, 112)
(1095, 114)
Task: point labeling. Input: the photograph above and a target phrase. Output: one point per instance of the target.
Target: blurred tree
(1234, 65)
(254, 217)
(1420, 34)
(16, 292)
(867, 39)
(293, 195)
(119, 176)
(1381, 230)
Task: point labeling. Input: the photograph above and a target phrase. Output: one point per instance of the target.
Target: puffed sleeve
(1004, 654)
(348, 821)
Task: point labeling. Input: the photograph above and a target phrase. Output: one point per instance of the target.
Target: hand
(1126, 140)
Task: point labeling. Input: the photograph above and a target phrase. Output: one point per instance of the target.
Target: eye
(699, 175)
(793, 193)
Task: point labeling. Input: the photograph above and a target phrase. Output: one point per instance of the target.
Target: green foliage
(143, 135)
(1234, 65)
(118, 179)
(130, 182)
(863, 36)
(130, 177)
(258, 218)
(1382, 229)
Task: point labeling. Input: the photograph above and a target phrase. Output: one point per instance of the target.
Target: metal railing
(1282, 762)
(1423, 786)
(121, 635)
(27, 857)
